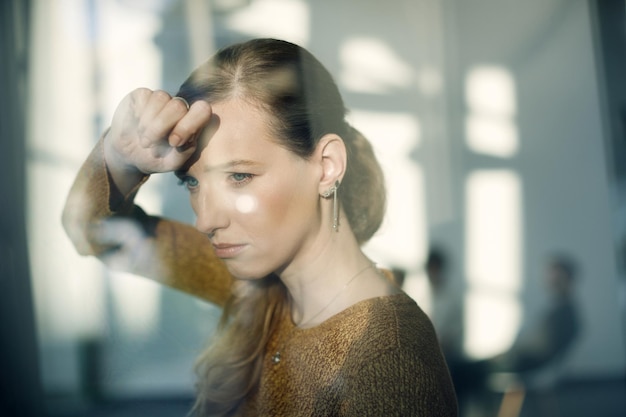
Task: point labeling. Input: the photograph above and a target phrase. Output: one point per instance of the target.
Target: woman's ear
(331, 152)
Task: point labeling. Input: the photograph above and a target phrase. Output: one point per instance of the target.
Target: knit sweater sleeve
(397, 385)
(402, 372)
(111, 227)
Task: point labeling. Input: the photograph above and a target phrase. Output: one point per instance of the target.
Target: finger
(182, 100)
(129, 110)
(156, 102)
(163, 122)
(139, 99)
(190, 124)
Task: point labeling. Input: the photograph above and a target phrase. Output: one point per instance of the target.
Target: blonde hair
(303, 104)
(230, 367)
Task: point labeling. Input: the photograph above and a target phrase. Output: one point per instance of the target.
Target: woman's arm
(101, 219)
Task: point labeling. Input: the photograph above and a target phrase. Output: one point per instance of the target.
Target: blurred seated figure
(447, 306)
(399, 276)
(538, 348)
(446, 313)
(551, 336)
(534, 360)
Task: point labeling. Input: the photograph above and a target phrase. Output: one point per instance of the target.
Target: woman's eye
(240, 178)
(189, 182)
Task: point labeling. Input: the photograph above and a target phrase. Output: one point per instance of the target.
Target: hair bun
(364, 195)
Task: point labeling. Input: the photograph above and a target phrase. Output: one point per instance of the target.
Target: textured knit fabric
(379, 357)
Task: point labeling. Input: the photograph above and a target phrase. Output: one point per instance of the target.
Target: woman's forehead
(234, 122)
(238, 136)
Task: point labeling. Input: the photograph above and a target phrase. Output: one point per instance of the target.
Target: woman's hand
(151, 132)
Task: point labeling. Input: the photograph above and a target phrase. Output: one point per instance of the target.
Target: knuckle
(144, 141)
(138, 97)
(161, 95)
(202, 106)
(141, 93)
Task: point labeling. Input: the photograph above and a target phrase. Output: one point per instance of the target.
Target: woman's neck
(330, 278)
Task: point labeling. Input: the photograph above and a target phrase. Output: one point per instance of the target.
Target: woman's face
(257, 201)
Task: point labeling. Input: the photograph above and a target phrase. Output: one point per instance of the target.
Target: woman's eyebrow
(181, 173)
(236, 163)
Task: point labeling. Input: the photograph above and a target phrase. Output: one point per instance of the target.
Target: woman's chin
(246, 274)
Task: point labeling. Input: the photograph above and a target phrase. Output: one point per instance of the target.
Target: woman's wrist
(125, 176)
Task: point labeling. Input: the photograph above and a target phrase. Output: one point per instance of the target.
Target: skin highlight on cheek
(246, 204)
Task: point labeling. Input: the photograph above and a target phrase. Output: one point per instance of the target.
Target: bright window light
(282, 19)
(491, 100)
(127, 54)
(71, 299)
(491, 136)
(491, 90)
(491, 323)
(394, 136)
(136, 300)
(369, 65)
(493, 261)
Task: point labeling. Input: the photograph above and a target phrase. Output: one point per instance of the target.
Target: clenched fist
(152, 132)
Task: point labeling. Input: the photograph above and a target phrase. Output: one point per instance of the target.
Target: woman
(285, 192)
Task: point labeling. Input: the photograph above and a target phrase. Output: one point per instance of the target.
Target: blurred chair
(535, 362)
(515, 387)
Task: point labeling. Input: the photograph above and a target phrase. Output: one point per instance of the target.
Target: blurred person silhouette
(399, 275)
(285, 192)
(539, 346)
(534, 360)
(447, 304)
(447, 316)
(549, 337)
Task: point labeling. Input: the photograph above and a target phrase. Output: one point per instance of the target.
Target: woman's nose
(211, 214)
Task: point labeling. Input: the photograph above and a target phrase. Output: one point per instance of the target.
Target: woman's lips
(227, 250)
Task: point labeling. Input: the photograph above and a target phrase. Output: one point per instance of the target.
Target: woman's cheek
(246, 204)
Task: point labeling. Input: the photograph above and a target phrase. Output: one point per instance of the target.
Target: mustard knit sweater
(379, 357)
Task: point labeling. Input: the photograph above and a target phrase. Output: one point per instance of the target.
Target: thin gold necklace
(276, 356)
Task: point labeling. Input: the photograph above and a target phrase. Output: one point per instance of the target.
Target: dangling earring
(333, 191)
